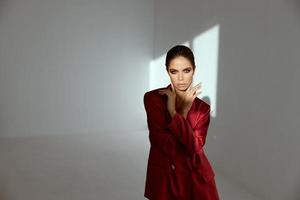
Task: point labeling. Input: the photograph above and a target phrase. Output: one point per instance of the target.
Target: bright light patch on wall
(205, 48)
(158, 73)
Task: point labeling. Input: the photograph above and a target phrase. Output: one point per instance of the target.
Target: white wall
(73, 66)
(256, 141)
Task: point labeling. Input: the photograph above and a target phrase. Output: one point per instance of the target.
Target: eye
(187, 71)
(173, 72)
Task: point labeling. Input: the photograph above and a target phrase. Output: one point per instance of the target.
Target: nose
(180, 76)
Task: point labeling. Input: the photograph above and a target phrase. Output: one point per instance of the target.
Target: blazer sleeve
(159, 135)
(192, 139)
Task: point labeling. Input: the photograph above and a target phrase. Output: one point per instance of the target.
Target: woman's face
(181, 73)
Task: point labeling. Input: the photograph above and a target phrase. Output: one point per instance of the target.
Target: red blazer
(176, 155)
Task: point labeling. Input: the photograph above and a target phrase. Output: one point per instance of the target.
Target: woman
(178, 122)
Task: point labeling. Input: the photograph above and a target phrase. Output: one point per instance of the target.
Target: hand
(188, 97)
(171, 105)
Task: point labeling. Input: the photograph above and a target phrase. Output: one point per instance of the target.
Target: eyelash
(185, 70)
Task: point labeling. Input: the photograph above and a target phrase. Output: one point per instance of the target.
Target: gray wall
(69, 67)
(257, 137)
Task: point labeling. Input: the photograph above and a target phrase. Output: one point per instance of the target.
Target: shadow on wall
(3, 5)
(206, 99)
(295, 6)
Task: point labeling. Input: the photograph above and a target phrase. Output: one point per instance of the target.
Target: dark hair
(180, 50)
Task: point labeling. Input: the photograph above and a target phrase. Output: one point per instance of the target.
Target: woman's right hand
(171, 105)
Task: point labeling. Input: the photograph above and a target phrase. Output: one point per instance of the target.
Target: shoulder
(202, 106)
(153, 95)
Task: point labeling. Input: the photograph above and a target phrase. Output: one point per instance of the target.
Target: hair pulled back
(180, 50)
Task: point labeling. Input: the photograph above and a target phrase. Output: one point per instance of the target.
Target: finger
(196, 87)
(197, 93)
(161, 91)
(172, 86)
(190, 87)
(199, 90)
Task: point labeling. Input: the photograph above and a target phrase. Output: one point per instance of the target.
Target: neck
(179, 93)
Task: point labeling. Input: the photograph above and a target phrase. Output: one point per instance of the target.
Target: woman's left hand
(171, 104)
(188, 97)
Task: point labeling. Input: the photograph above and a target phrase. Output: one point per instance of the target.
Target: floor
(91, 167)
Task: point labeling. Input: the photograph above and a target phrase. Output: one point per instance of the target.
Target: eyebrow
(183, 69)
